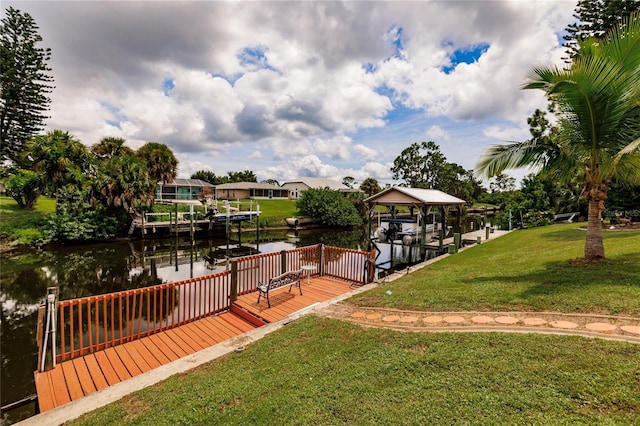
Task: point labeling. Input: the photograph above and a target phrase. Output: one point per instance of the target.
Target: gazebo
(421, 199)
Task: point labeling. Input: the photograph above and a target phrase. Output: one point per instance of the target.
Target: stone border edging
(595, 326)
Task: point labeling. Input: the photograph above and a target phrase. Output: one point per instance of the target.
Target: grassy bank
(525, 270)
(21, 226)
(321, 371)
(325, 372)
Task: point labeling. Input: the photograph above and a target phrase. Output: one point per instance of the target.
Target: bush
(78, 221)
(329, 206)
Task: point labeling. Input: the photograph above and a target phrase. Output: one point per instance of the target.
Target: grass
(275, 212)
(319, 371)
(526, 270)
(22, 226)
(19, 226)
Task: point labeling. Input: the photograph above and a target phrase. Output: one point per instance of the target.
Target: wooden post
(233, 292)
(457, 239)
(440, 240)
(192, 231)
(176, 228)
(321, 266)
(40, 333)
(487, 230)
(283, 261)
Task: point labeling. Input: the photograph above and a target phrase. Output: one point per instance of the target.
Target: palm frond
(498, 158)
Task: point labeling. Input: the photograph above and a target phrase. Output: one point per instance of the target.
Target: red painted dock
(73, 379)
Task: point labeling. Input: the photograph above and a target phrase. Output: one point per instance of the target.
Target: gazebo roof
(398, 196)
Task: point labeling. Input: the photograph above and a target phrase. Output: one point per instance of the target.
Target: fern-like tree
(25, 82)
(597, 103)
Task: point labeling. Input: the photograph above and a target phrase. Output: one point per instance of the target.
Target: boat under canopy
(415, 228)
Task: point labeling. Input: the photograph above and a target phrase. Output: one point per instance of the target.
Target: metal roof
(248, 185)
(187, 182)
(313, 182)
(399, 195)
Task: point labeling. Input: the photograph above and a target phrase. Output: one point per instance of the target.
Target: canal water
(105, 268)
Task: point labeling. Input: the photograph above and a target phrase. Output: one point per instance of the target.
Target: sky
(298, 89)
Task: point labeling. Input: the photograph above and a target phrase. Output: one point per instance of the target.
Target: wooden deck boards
(284, 303)
(76, 378)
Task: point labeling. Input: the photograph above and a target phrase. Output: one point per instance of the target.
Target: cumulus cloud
(437, 133)
(365, 153)
(507, 133)
(292, 89)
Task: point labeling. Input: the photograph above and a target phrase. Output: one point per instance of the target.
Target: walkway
(600, 326)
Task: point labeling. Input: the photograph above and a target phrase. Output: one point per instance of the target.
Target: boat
(404, 231)
(298, 222)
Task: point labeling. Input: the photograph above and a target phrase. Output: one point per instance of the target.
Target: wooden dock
(75, 378)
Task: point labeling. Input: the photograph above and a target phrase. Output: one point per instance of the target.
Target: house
(182, 189)
(296, 187)
(250, 190)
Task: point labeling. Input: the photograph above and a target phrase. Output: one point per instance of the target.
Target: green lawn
(526, 270)
(325, 372)
(23, 225)
(319, 371)
(274, 212)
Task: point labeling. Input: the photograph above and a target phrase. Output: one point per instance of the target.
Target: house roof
(313, 182)
(187, 182)
(398, 195)
(247, 185)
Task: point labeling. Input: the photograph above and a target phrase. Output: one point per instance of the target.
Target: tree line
(591, 155)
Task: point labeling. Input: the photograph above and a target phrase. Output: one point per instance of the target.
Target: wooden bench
(291, 278)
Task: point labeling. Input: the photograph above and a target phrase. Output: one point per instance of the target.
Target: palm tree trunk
(594, 248)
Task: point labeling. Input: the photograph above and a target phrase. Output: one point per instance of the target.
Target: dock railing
(350, 265)
(93, 323)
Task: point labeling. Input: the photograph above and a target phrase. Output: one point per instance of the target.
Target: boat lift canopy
(400, 196)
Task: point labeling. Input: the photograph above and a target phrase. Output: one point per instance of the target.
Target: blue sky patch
(254, 57)
(369, 68)
(114, 124)
(467, 55)
(167, 85)
(230, 78)
(118, 116)
(396, 32)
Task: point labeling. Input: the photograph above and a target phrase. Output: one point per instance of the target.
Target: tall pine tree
(25, 82)
(595, 18)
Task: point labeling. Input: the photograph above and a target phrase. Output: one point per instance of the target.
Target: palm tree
(123, 182)
(110, 147)
(161, 163)
(597, 103)
(62, 159)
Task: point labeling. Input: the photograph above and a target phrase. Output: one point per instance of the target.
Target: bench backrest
(285, 279)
